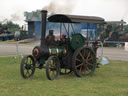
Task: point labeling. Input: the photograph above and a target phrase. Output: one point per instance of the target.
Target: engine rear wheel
(27, 67)
(84, 62)
(52, 67)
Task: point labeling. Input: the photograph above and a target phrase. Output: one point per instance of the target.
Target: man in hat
(50, 38)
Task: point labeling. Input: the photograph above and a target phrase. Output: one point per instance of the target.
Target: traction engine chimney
(43, 28)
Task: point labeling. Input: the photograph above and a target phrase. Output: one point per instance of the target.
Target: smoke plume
(15, 17)
(59, 6)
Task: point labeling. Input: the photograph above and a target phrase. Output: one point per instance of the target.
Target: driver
(50, 38)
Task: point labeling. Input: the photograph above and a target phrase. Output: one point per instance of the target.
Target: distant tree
(11, 27)
(33, 16)
(126, 27)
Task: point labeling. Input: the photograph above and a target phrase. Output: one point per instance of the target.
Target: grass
(108, 80)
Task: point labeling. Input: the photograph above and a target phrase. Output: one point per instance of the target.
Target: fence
(16, 49)
(100, 54)
(116, 53)
(114, 43)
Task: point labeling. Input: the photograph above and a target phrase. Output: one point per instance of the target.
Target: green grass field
(108, 80)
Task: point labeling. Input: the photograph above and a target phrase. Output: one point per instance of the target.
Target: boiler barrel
(58, 51)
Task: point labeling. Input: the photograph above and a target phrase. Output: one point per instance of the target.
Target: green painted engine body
(59, 51)
(77, 41)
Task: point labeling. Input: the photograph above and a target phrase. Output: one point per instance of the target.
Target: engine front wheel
(27, 67)
(52, 67)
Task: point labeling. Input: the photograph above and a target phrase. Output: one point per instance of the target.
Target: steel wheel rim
(85, 62)
(53, 68)
(27, 67)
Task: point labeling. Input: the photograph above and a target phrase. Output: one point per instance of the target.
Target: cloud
(14, 9)
(109, 9)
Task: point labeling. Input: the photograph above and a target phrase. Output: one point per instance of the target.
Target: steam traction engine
(68, 54)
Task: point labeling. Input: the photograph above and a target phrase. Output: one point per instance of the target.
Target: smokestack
(43, 27)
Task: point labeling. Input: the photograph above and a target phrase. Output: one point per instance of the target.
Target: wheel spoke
(88, 70)
(30, 61)
(25, 62)
(52, 67)
(90, 59)
(31, 70)
(26, 73)
(81, 56)
(90, 64)
(80, 69)
(88, 55)
(84, 62)
(32, 66)
(24, 67)
(27, 66)
(84, 53)
(79, 65)
(78, 60)
(29, 73)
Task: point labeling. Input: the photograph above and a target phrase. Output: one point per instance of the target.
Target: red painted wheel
(84, 61)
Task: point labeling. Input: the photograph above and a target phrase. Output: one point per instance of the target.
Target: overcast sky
(108, 9)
